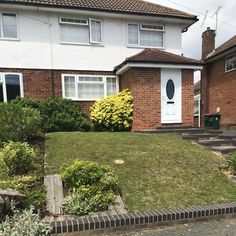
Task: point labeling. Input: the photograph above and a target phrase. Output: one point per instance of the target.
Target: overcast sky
(192, 38)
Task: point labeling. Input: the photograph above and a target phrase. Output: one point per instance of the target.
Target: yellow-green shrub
(113, 113)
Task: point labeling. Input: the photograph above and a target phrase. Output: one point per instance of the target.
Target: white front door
(171, 96)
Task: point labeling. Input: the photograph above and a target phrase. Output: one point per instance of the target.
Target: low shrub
(93, 187)
(58, 114)
(82, 173)
(31, 186)
(113, 113)
(87, 199)
(232, 161)
(18, 123)
(19, 158)
(25, 223)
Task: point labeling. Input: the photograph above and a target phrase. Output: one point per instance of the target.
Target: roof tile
(122, 6)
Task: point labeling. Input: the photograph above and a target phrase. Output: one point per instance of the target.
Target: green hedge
(18, 123)
(58, 114)
(113, 113)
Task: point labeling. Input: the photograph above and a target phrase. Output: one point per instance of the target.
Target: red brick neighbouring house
(218, 86)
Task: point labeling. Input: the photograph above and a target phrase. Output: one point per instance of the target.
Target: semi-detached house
(87, 50)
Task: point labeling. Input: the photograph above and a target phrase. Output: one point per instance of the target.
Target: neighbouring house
(219, 78)
(197, 104)
(86, 50)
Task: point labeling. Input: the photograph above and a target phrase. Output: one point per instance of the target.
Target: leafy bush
(82, 173)
(18, 123)
(93, 187)
(87, 199)
(113, 113)
(25, 223)
(232, 161)
(58, 114)
(31, 186)
(20, 158)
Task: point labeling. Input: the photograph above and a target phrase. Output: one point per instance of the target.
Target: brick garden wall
(145, 86)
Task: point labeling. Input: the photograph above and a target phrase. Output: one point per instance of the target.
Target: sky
(192, 38)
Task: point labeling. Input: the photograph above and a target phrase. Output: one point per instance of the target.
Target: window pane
(9, 25)
(90, 91)
(133, 34)
(69, 83)
(12, 86)
(1, 93)
(74, 33)
(111, 86)
(151, 38)
(231, 62)
(96, 31)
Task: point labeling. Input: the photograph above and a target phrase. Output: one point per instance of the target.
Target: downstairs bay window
(88, 87)
(11, 86)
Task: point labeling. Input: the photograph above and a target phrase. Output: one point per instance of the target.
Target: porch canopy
(156, 58)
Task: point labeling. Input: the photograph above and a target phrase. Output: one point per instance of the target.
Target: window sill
(83, 44)
(9, 39)
(143, 47)
(230, 70)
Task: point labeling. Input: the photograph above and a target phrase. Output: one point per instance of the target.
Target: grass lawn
(159, 171)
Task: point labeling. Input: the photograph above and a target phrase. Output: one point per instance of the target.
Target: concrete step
(223, 149)
(199, 136)
(227, 136)
(215, 142)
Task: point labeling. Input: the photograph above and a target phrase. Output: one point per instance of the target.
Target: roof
(231, 43)
(157, 56)
(140, 7)
(151, 55)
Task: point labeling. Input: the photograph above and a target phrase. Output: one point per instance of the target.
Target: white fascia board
(156, 65)
(184, 22)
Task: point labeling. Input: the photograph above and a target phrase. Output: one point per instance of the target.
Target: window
(81, 31)
(230, 63)
(87, 87)
(11, 86)
(8, 26)
(145, 35)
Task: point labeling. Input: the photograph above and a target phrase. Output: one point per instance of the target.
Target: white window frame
(1, 26)
(90, 31)
(91, 42)
(139, 29)
(226, 61)
(104, 82)
(3, 82)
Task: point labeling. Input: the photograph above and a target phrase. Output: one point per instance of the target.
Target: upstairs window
(81, 31)
(8, 26)
(11, 86)
(88, 87)
(230, 63)
(146, 35)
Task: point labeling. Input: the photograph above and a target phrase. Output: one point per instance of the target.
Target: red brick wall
(38, 83)
(145, 86)
(222, 89)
